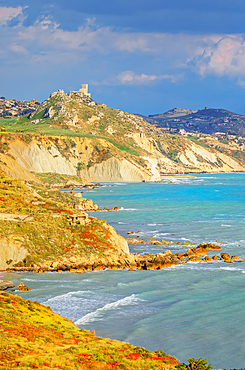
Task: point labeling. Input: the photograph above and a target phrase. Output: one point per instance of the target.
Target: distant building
(84, 90)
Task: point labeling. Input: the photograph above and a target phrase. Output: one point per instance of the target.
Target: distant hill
(16, 108)
(207, 121)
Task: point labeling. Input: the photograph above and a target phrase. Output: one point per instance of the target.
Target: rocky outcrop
(22, 287)
(5, 284)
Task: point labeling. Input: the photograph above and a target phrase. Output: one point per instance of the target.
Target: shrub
(195, 364)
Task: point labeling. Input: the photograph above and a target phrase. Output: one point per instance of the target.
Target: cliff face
(76, 156)
(41, 157)
(115, 169)
(96, 159)
(11, 251)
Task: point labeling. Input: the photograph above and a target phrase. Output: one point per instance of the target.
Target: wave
(47, 280)
(231, 268)
(62, 297)
(128, 209)
(95, 315)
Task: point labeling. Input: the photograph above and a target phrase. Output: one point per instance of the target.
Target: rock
(233, 258)
(225, 257)
(5, 284)
(130, 232)
(209, 246)
(215, 257)
(190, 252)
(200, 250)
(21, 287)
(207, 259)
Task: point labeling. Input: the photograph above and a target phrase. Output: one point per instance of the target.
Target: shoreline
(132, 262)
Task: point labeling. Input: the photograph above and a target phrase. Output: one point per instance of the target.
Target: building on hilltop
(84, 90)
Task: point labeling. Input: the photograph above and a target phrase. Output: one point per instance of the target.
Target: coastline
(133, 236)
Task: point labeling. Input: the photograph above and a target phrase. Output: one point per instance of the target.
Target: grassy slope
(47, 233)
(33, 337)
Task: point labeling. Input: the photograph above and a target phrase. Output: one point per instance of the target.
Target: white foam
(128, 209)
(226, 225)
(230, 268)
(62, 297)
(95, 315)
(45, 281)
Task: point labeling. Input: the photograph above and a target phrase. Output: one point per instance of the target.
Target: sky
(141, 56)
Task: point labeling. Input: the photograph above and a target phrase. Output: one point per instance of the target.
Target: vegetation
(44, 225)
(198, 142)
(33, 337)
(56, 178)
(195, 364)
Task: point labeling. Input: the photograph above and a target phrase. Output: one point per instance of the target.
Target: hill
(70, 134)
(208, 120)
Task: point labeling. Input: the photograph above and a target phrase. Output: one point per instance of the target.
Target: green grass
(196, 141)
(224, 141)
(55, 178)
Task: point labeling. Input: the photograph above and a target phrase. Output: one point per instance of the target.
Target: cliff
(70, 134)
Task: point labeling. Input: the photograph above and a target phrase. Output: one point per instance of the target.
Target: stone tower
(84, 90)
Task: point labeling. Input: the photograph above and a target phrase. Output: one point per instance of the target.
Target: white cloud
(241, 83)
(225, 57)
(18, 49)
(131, 78)
(8, 13)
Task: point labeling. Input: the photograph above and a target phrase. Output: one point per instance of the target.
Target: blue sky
(142, 56)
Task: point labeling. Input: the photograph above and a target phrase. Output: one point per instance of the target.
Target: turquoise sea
(193, 310)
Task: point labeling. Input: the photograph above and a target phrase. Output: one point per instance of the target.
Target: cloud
(19, 49)
(131, 78)
(241, 83)
(8, 13)
(45, 41)
(225, 57)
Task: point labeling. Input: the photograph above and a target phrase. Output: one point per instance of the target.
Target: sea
(192, 310)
